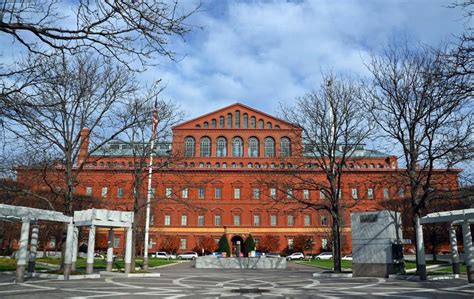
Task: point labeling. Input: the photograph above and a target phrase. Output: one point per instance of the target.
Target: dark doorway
(236, 240)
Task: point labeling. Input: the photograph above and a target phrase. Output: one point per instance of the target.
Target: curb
(128, 275)
(429, 277)
(333, 275)
(61, 277)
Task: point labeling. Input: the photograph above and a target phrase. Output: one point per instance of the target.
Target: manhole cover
(249, 290)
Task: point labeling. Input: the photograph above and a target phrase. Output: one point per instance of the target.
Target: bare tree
(426, 114)
(125, 30)
(333, 128)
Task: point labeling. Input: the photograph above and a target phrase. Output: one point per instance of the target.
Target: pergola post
(468, 250)
(33, 247)
(454, 249)
(128, 251)
(420, 250)
(75, 241)
(23, 251)
(90, 251)
(68, 251)
(110, 250)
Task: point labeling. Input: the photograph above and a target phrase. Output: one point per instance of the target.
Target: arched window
(237, 147)
(229, 120)
(253, 122)
(253, 147)
(217, 165)
(206, 124)
(249, 165)
(213, 123)
(269, 125)
(189, 146)
(269, 146)
(205, 147)
(260, 124)
(237, 119)
(221, 122)
(245, 121)
(285, 147)
(221, 147)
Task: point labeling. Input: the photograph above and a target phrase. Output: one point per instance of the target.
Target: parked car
(295, 256)
(347, 257)
(98, 255)
(191, 255)
(272, 254)
(164, 255)
(216, 254)
(324, 256)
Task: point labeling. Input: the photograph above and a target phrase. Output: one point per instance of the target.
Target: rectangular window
(307, 220)
(237, 193)
(401, 192)
(184, 193)
(120, 192)
(237, 220)
(151, 243)
(184, 220)
(200, 220)
(370, 193)
(273, 220)
(89, 191)
(355, 194)
(256, 220)
(104, 192)
(305, 194)
(152, 220)
(291, 220)
(322, 195)
(168, 192)
(273, 193)
(256, 193)
(116, 242)
(324, 221)
(201, 192)
(289, 192)
(217, 220)
(167, 219)
(152, 192)
(290, 243)
(183, 244)
(324, 243)
(218, 193)
(386, 194)
(339, 193)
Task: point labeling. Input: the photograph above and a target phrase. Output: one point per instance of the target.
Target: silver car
(191, 255)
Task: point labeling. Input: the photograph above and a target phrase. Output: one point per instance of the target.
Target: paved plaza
(184, 281)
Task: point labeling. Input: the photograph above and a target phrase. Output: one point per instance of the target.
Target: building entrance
(237, 243)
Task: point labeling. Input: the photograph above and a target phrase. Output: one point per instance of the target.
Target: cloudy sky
(261, 53)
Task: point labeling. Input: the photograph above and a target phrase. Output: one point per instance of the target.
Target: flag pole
(149, 193)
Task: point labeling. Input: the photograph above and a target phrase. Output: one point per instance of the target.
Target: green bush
(249, 245)
(224, 245)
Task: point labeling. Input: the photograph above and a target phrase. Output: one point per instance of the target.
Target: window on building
(116, 242)
(285, 147)
(260, 124)
(245, 121)
(370, 193)
(291, 220)
(221, 150)
(324, 244)
(119, 192)
(237, 147)
(167, 220)
(236, 193)
(184, 193)
(205, 147)
(221, 122)
(217, 220)
(305, 194)
(237, 220)
(201, 220)
(183, 244)
(269, 125)
(256, 193)
(401, 192)
(273, 220)
(307, 220)
(237, 119)
(322, 195)
(290, 243)
(273, 193)
(253, 150)
(269, 147)
(289, 192)
(256, 220)
(386, 194)
(152, 220)
(189, 147)
(201, 192)
(355, 193)
(218, 193)
(184, 220)
(168, 192)
(324, 220)
(104, 192)
(253, 122)
(229, 120)
(206, 125)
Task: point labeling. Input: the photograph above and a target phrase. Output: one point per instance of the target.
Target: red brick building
(231, 171)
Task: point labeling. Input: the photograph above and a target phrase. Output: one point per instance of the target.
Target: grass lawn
(102, 263)
(449, 270)
(10, 265)
(328, 264)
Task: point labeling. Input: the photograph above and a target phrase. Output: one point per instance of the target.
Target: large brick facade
(232, 172)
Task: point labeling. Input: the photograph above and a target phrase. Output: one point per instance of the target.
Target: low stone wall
(212, 262)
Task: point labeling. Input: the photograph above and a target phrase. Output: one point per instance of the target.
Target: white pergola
(26, 216)
(455, 217)
(94, 218)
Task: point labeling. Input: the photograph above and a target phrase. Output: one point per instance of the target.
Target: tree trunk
(336, 246)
